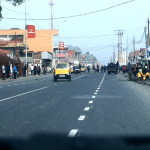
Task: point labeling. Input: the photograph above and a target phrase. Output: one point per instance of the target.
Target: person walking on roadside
(15, 71)
(35, 70)
(134, 70)
(129, 68)
(3, 72)
(8, 71)
(31, 70)
(102, 68)
(97, 68)
(88, 68)
(74, 68)
(24, 70)
(39, 70)
(44, 70)
(50, 69)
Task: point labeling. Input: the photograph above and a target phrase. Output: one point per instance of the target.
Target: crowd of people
(10, 71)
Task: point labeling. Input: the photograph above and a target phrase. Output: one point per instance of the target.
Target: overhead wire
(139, 15)
(77, 15)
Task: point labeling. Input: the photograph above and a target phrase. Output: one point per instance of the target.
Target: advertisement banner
(69, 54)
(61, 45)
(31, 31)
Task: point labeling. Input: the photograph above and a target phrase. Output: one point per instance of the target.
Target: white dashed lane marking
(86, 108)
(81, 118)
(73, 132)
(90, 102)
(97, 90)
(93, 96)
(95, 93)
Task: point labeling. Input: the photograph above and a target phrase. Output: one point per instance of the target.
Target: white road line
(99, 86)
(97, 90)
(95, 93)
(93, 96)
(86, 108)
(90, 102)
(23, 94)
(8, 85)
(73, 132)
(81, 118)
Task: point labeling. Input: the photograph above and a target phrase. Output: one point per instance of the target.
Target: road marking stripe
(73, 132)
(93, 96)
(97, 90)
(90, 102)
(86, 108)
(95, 93)
(81, 118)
(23, 94)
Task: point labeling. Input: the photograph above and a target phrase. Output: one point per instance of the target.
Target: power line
(130, 14)
(76, 15)
(139, 15)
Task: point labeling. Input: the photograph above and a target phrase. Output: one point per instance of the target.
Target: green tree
(14, 2)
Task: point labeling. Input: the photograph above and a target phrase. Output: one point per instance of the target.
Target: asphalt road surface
(89, 105)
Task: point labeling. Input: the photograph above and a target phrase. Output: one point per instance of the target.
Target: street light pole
(58, 39)
(26, 35)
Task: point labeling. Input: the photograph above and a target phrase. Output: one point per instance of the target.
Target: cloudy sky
(92, 32)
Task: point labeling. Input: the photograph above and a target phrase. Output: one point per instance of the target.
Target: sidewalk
(25, 78)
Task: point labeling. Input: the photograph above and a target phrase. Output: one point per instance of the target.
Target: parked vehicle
(62, 71)
(77, 70)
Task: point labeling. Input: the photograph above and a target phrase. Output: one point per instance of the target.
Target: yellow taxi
(83, 69)
(62, 71)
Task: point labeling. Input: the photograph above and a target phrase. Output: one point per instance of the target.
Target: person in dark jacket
(88, 68)
(24, 70)
(39, 70)
(8, 71)
(35, 70)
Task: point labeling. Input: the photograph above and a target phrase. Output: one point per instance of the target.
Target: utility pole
(114, 55)
(134, 49)
(120, 34)
(26, 35)
(148, 40)
(127, 52)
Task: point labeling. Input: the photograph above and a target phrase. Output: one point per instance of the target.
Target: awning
(145, 59)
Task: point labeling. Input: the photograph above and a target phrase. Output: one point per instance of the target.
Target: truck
(112, 68)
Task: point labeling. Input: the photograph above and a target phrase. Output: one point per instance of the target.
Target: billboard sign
(31, 31)
(61, 45)
(69, 54)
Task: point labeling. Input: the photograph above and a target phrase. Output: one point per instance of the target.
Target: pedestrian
(3, 72)
(8, 71)
(32, 69)
(15, 71)
(102, 68)
(129, 68)
(24, 70)
(80, 67)
(88, 68)
(44, 69)
(74, 68)
(97, 68)
(35, 70)
(134, 71)
(39, 70)
(50, 69)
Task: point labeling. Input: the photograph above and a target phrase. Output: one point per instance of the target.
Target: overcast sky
(128, 17)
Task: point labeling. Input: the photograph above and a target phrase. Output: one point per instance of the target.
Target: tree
(14, 2)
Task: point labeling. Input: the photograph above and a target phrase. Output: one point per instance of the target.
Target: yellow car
(62, 71)
(83, 69)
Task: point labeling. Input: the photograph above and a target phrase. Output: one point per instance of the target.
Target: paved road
(90, 105)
